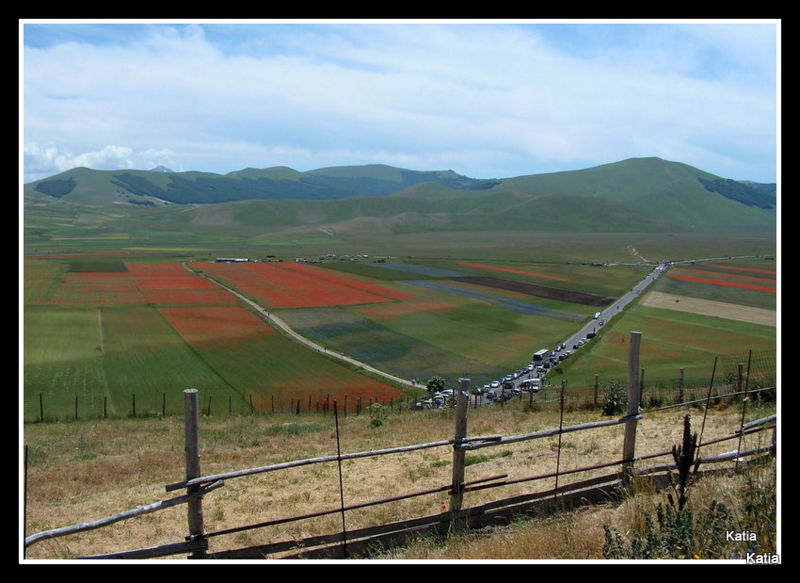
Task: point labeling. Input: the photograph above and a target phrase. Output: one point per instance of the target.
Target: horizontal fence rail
(456, 517)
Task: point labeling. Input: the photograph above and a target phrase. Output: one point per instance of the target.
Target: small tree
(435, 384)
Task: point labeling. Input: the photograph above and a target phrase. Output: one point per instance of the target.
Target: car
(495, 384)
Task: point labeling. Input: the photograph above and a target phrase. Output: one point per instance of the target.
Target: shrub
(615, 399)
(435, 384)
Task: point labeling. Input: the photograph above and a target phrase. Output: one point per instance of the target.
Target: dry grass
(86, 470)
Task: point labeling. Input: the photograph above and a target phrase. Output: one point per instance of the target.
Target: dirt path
(636, 254)
(710, 308)
(280, 323)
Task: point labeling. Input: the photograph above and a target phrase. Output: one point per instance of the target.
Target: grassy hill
(644, 195)
(83, 185)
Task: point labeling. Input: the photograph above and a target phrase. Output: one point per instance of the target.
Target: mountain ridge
(634, 194)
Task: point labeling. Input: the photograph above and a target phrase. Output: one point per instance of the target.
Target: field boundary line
(281, 324)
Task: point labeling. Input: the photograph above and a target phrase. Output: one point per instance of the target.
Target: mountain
(638, 194)
(97, 186)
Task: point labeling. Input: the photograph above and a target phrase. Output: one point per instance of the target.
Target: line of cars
(530, 378)
(534, 373)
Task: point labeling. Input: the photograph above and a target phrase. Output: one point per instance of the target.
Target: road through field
(280, 323)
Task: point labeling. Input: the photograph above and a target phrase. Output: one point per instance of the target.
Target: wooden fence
(456, 518)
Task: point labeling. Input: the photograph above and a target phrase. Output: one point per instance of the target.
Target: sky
(487, 99)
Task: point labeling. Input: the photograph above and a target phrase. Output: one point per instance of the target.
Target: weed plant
(615, 399)
(679, 532)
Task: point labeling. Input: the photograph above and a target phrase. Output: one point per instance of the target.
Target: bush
(615, 399)
(435, 384)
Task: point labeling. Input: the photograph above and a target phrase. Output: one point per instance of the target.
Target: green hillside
(674, 192)
(156, 187)
(636, 195)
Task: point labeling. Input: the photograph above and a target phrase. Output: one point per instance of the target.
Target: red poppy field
(297, 285)
(746, 278)
(172, 329)
(262, 364)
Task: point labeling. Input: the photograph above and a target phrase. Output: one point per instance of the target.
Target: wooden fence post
(192, 450)
(457, 488)
(634, 395)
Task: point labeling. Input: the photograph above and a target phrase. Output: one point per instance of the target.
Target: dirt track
(710, 308)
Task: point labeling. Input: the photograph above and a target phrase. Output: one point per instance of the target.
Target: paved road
(592, 326)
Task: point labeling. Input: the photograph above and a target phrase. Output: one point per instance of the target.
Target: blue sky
(488, 99)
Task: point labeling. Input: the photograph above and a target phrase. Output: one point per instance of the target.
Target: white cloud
(44, 160)
(432, 93)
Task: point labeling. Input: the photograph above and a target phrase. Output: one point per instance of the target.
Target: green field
(104, 353)
(100, 356)
(673, 340)
(670, 341)
(138, 358)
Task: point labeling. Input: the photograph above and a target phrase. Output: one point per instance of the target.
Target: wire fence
(732, 372)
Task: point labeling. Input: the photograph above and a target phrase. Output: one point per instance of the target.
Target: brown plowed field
(710, 308)
(540, 291)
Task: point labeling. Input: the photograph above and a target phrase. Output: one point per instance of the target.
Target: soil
(540, 291)
(710, 308)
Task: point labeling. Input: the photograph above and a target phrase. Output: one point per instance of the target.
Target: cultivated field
(124, 338)
(118, 333)
(687, 324)
(723, 310)
(94, 322)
